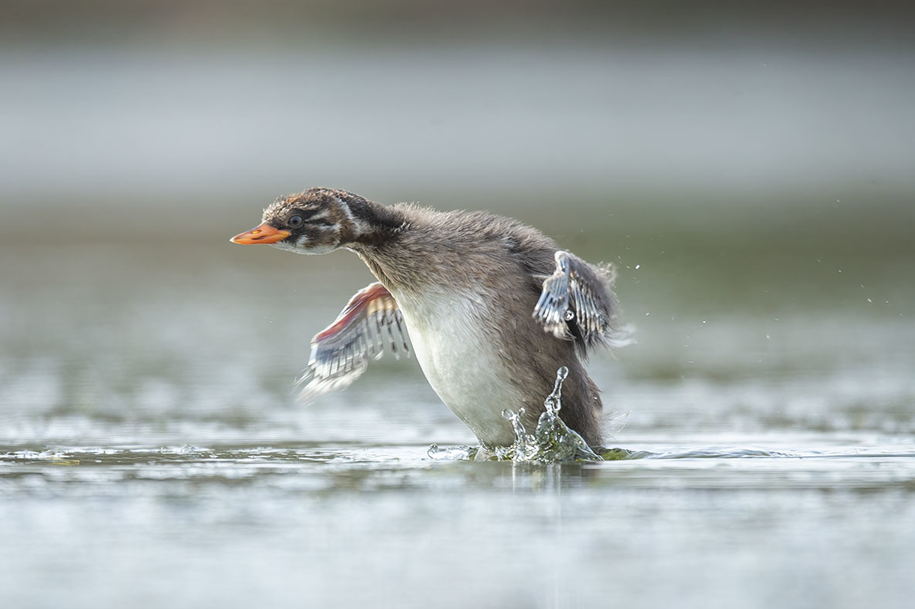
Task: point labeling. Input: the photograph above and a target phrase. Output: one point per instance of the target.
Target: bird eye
(295, 222)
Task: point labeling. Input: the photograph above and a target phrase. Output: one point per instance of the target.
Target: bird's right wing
(341, 352)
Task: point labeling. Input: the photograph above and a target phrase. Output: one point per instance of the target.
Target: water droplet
(552, 440)
(452, 453)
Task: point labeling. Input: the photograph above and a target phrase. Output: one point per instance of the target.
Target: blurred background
(749, 167)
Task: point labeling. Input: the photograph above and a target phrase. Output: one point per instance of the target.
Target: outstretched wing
(341, 352)
(577, 303)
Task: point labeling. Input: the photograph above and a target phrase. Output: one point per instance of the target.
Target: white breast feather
(460, 361)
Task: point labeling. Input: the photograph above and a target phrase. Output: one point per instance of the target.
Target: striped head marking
(318, 220)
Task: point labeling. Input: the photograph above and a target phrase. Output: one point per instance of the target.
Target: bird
(492, 307)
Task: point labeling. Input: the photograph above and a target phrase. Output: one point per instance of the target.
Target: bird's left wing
(341, 352)
(577, 303)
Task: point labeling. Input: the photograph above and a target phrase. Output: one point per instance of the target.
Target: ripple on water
(98, 469)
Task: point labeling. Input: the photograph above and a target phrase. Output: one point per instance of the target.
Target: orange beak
(261, 234)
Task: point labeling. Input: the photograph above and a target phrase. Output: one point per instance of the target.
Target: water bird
(492, 307)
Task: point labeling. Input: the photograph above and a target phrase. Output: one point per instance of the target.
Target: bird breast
(457, 347)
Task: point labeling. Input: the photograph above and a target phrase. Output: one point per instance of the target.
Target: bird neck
(396, 243)
(374, 225)
(376, 231)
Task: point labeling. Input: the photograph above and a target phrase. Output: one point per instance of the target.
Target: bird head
(316, 221)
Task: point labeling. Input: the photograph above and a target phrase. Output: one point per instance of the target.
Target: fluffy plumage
(493, 307)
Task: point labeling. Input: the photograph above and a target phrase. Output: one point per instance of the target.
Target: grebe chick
(492, 307)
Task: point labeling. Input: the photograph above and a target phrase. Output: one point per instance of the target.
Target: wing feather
(341, 352)
(577, 303)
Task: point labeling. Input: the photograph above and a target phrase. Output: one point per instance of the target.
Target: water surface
(151, 452)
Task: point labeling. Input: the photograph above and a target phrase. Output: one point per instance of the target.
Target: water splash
(452, 453)
(552, 441)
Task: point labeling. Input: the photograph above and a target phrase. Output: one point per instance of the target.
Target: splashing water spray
(551, 442)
